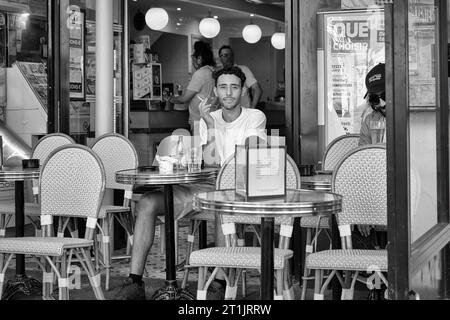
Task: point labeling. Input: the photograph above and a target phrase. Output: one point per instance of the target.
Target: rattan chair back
(337, 149)
(360, 177)
(117, 153)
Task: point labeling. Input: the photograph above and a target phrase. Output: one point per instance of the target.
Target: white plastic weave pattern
(237, 257)
(117, 153)
(337, 149)
(362, 181)
(48, 144)
(72, 183)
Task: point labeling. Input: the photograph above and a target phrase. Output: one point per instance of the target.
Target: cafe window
(162, 63)
(23, 68)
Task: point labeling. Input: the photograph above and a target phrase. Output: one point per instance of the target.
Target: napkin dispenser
(260, 170)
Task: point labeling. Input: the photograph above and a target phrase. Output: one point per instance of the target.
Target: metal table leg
(267, 252)
(21, 284)
(171, 291)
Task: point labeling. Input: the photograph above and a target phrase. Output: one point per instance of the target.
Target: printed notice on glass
(75, 24)
(266, 172)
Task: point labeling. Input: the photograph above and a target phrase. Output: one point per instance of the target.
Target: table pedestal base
(21, 285)
(172, 292)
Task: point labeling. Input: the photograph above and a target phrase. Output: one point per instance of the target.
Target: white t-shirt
(251, 122)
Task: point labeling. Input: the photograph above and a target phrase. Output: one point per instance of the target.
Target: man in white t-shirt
(220, 131)
(226, 56)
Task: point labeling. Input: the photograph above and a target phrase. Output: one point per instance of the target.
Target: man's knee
(148, 204)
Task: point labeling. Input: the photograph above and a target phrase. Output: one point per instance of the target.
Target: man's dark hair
(203, 49)
(231, 70)
(225, 47)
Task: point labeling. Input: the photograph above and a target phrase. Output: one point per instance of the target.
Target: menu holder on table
(260, 171)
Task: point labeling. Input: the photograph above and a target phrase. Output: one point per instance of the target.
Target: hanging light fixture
(251, 33)
(156, 18)
(209, 27)
(278, 40)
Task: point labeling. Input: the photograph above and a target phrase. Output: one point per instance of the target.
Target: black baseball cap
(375, 79)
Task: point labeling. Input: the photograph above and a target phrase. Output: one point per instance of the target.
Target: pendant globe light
(156, 18)
(251, 33)
(278, 40)
(209, 27)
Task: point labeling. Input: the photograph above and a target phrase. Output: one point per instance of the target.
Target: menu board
(36, 76)
(90, 58)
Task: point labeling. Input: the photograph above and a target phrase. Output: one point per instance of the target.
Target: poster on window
(75, 24)
(354, 43)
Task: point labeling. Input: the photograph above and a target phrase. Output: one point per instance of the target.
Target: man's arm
(185, 98)
(364, 135)
(207, 130)
(257, 94)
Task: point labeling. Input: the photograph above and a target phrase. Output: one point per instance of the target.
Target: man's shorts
(183, 195)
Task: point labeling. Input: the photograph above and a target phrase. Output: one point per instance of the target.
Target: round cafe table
(21, 283)
(319, 182)
(296, 203)
(150, 176)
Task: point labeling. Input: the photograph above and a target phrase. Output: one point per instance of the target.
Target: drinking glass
(195, 160)
(377, 130)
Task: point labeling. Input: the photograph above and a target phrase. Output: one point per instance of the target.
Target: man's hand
(364, 230)
(205, 112)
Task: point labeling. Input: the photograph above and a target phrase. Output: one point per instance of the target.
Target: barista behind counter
(202, 83)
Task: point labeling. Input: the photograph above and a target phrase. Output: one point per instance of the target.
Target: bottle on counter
(180, 152)
(1, 152)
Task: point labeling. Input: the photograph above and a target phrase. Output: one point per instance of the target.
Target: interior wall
(172, 50)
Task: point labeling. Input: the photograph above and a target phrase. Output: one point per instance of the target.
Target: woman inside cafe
(201, 85)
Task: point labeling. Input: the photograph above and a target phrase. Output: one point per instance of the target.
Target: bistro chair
(314, 225)
(72, 184)
(116, 153)
(235, 255)
(361, 179)
(40, 151)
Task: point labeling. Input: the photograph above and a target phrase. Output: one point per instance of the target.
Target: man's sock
(136, 278)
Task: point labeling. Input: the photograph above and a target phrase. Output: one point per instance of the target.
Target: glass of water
(377, 131)
(195, 160)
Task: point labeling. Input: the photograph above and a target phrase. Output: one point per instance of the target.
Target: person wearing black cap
(373, 126)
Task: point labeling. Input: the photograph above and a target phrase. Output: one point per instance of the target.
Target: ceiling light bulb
(279, 40)
(209, 27)
(156, 18)
(252, 33)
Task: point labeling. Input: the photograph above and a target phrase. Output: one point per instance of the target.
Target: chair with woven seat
(226, 180)
(32, 210)
(117, 153)
(314, 226)
(361, 179)
(72, 184)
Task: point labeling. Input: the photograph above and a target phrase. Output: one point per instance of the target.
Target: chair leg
(162, 238)
(48, 279)
(63, 281)
(190, 247)
(2, 274)
(244, 283)
(318, 285)
(94, 279)
(201, 292)
(280, 283)
(306, 271)
(106, 244)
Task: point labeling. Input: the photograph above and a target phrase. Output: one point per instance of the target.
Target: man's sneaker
(130, 291)
(216, 291)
